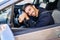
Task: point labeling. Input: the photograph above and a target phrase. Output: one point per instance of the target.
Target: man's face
(30, 10)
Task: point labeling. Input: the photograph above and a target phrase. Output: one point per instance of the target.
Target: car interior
(15, 10)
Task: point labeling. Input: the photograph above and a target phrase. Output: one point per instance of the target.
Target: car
(50, 32)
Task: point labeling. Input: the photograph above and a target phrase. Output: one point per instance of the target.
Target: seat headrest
(56, 16)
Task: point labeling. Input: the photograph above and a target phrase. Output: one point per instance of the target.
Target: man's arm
(44, 20)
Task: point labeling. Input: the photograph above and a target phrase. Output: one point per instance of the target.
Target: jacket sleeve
(43, 20)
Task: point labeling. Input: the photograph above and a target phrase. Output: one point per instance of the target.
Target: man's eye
(29, 9)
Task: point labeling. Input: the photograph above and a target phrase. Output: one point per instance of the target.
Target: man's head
(30, 9)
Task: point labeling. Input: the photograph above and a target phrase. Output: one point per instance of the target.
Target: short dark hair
(25, 5)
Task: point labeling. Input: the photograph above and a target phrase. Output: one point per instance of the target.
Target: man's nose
(29, 12)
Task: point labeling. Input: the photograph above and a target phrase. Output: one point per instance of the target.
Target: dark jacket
(44, 19)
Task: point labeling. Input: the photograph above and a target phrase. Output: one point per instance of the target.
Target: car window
(4, 16)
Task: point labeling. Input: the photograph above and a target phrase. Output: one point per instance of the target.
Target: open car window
(5, 15)
(17, 7)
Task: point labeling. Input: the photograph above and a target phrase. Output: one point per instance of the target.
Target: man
(38, 15)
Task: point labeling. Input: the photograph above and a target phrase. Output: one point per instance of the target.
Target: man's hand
(22, 17)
